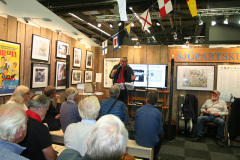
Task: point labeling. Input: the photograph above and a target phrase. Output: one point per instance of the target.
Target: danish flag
(165, 6)
(146, 20)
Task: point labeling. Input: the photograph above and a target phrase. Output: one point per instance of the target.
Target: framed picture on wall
(40, 48)
(62, 49)
(77, 53)
(89, 58)
(88, 76)
(60, 82)
(40, 72)
(195, 78)
(76, 76)
(10, 67)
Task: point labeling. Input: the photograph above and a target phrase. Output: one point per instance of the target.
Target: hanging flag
(128, 30)
(146, 20)
(104, 47)
(122, 10)
(165, 6)
(192, 7)
(115, 42)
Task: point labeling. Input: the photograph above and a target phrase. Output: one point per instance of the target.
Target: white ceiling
(33, 9)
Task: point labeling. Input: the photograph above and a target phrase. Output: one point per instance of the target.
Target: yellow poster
(9, 67)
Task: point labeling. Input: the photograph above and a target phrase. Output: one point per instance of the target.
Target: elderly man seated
(212, 111)
(13, 124)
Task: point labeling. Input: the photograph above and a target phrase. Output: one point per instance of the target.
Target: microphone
(119, 66)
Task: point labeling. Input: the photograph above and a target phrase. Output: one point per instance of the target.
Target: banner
(205, 55)
(104, 47)
(146, 20)
(115, 42)
(9, 67)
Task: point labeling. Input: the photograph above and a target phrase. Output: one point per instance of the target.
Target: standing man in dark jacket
(122, 73)
(119, 109)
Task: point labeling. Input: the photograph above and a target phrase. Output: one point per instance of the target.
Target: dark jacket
(190, 108)
(127, 73)
(234, 119)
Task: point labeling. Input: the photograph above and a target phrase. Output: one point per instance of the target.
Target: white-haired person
(107, 141)
(20, 96)
(38, 140)
(69, 109)
(76, 134)
(13, 128)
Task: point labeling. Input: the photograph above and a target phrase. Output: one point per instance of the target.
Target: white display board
(108, 65)
(228, 82)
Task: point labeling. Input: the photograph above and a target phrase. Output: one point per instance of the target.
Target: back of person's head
(114, 91)
(18, 94)
(70, 93)
(37, 101)
(49, 90)
(12, 117)
(108, 139)
(89, 108)
(152, 98)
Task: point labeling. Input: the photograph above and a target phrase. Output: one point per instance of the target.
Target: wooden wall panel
(12, 29)
(53, 58)
(3, 28)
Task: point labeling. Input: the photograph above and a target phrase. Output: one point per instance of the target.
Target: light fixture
(120, 23)
(225, 20)
(132, 24)
(175, 36)
(148, 31)
(99, 25)
(158, 24)
(134, 39)
(239, 22)
(213, 22)
(200, 21)
(76, 16)
(130, 8)
(111, 26)
(59, 32)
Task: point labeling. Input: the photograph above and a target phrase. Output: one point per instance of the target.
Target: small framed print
(76, 76)
(40, 72)
(60, 75)
(62, 49)
(88, 76)
(77, 53)
(40, 48)
(89, 57)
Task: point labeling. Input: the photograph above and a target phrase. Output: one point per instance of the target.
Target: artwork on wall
(195, 78)
(88, 76)
(76, 76)
(10, 67)
(40, 48)
(77, 53)
(62, 49)
(40, 72)
(60, 75)
(108, 65)
(89, 57)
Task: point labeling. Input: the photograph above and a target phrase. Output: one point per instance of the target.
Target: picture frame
(10, 71)
(88, 76)
(62, 49)
(40, 48)
(89, 59)
(77, 54)
(40, 75)
(61, 70)
(195, 78)
(76, 76)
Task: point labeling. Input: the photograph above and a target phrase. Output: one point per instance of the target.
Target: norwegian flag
(115, 42)
(146, 20)
(165, 6)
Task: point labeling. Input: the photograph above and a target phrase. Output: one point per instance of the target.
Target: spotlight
(120, 23)
(132, 24)
(158, 24)
(200, 22)
(130, 8)
(148, 31)
(111, 25)
(225, 21)
(213, 23)
(99, 25)
(175, 36)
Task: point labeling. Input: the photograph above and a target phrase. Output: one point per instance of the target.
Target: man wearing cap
(212, 111)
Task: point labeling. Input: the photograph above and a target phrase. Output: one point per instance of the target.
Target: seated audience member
(69, 109)
(38, 140)
(113, 106)
(52, 116)
(148, 125)
(107, 141)
(20, 96)
(76, 134)
(212, 111)
(13, 127)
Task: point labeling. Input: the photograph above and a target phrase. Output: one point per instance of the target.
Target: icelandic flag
(128, 30)
(115, 42)
(104, 47)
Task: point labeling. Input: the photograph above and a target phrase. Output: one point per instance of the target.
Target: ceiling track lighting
(225, 20)
(213, 22)
(111, 26)
(99, 25)
(120, 23)
(132, 24)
